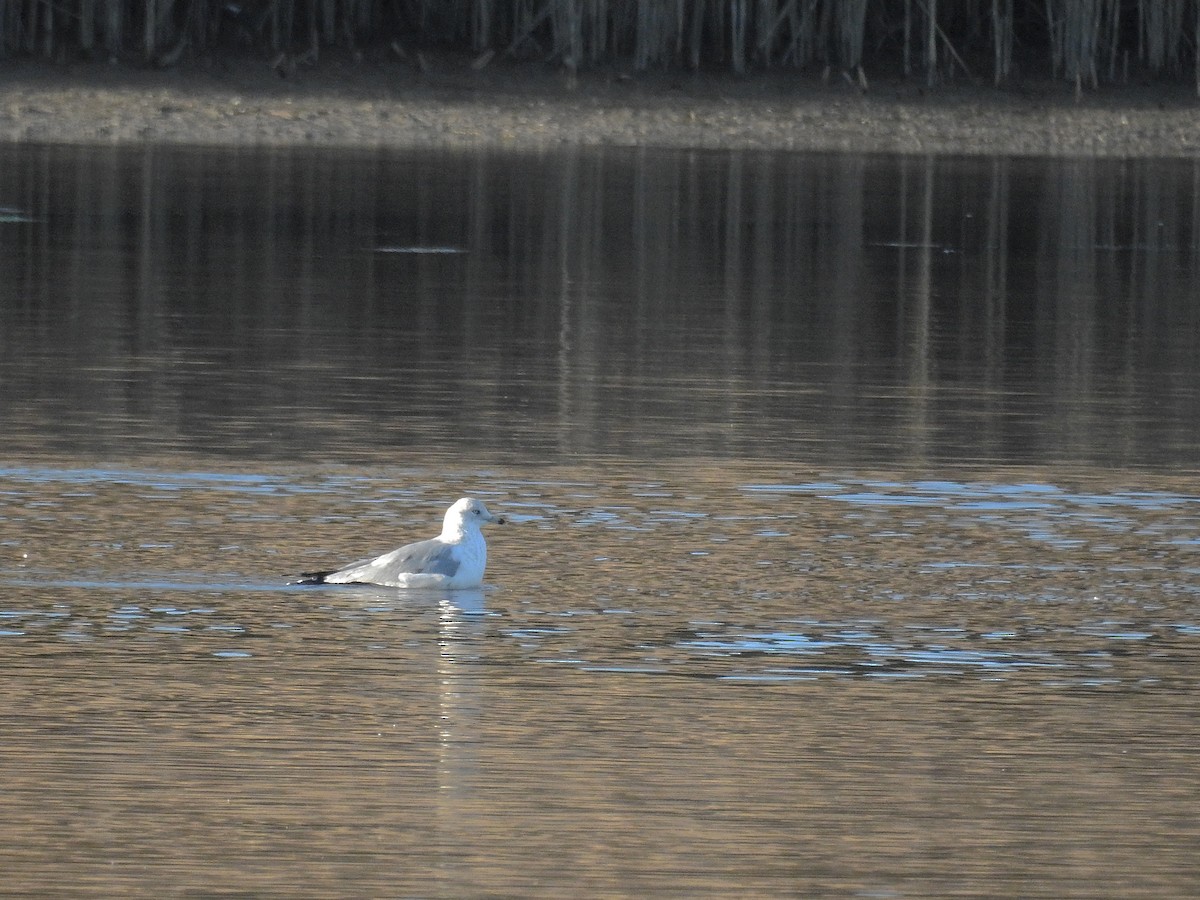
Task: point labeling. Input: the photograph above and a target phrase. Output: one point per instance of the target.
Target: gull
(452, 560)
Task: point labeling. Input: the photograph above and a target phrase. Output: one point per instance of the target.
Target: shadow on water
(654, 304)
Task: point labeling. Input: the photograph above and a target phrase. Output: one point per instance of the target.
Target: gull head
(468, 514)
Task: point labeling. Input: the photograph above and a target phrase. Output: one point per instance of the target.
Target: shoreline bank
(357, 103)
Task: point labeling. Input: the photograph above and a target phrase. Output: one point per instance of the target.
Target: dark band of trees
(1088, 42)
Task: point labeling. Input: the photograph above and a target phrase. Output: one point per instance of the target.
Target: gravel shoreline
(353, 102)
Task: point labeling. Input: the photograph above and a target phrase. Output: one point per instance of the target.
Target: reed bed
(1088, 42)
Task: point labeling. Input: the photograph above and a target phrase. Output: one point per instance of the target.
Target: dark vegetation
(1087, 42)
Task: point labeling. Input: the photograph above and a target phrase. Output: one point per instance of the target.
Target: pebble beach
(360, 102)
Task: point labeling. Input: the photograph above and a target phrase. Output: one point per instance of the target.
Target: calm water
(855, 518)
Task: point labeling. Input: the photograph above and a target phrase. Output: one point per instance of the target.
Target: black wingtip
(313, 577)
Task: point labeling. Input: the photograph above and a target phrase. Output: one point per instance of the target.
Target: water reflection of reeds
(1084, 41)
(720, 300)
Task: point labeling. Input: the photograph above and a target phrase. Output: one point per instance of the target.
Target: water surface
(853, 541)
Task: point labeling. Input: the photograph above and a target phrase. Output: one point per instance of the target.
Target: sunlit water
(852, 545)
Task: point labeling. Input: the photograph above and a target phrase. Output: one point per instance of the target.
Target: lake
(852, 546)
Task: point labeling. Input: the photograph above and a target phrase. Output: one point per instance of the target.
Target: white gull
(454, 559)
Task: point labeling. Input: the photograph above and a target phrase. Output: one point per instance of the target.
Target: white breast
(472, 559)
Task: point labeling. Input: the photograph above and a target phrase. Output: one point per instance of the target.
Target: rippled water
(868, 568)
(698, 575)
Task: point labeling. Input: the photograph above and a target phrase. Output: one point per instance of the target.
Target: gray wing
(431, 557)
